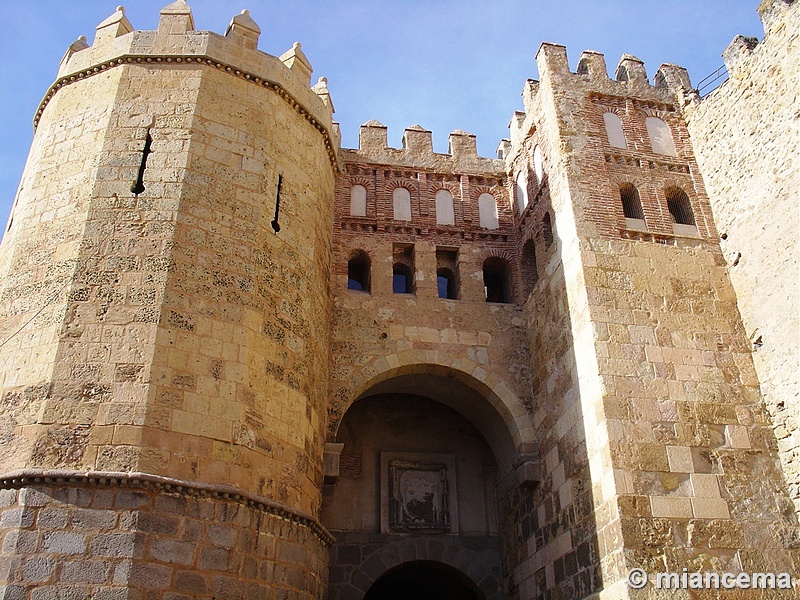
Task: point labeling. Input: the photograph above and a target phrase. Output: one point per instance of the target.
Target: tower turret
(165, 318)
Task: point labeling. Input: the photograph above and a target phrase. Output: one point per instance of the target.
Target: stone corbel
(330, 461)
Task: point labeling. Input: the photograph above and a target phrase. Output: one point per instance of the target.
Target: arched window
(547, 229)
(631, 203)
(660, 136)
(616, 137)
(358, 201)
(358, 268)
(497, 280)
(401, 199)
(530, 270)
(401, 279)
(403, 268)
(538, 165)
(521, 192)
(487, 211)
(446, 283)
(444, 208)
(679, 206)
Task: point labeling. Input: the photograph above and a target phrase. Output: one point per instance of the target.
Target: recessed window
(538, 165)
(631, 203)
(521, 192)
(632, 207)
(487, 211)
(403, 269)
(358, 201)
(679, 206)
(530, 270)
(660, 136)
(547, 229)
(447, 273)
(358, 268)
(401, 199)
(616, 136)
(444, 208)
(497, 280)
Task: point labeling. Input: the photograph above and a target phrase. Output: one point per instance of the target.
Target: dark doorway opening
(423, 580)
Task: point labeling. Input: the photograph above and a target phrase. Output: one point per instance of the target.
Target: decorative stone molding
(131, 59)
(146, 481)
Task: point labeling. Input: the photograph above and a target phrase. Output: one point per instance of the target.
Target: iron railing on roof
(710, 83)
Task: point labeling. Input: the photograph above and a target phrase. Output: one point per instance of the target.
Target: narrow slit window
(138, 186)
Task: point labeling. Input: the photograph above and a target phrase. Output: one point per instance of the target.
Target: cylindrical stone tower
(164, 321)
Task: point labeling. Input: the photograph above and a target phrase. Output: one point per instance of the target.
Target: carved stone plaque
(416, 493)
(418, 496)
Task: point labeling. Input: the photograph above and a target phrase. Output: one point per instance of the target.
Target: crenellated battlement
(417, 150)
(176, 42)
(630, 75)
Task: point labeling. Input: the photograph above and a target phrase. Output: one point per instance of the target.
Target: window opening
(530, 270)
(679, 206)
(497, 280)
(403, 269)
(138, 186)
(631, 202)
(547, 229)
(521, 192)
(447, 273)
(358, 268)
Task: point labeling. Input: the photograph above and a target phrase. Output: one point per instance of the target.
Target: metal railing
(710, 83)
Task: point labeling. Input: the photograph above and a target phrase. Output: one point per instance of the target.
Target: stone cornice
(150, 60)
(29, 477)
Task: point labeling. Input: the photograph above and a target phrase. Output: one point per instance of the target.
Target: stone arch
(500, 415)
(436, 549)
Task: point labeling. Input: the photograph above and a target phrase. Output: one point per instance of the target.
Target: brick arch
(448, 186)
(618, 180)
(492, 190)
(516, 436)
(393, 184)
(604, 108)
(359, 180)
(472, 564)
(664, 115)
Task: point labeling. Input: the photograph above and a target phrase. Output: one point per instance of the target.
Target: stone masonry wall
(125, 540)
(377, 333)
(745, 136)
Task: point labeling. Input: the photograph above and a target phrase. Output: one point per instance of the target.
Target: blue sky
(444, 64)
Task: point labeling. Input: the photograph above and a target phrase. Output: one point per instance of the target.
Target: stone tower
(166, 320)
(658, 451)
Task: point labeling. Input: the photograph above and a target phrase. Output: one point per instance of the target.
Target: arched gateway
(425, 455)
